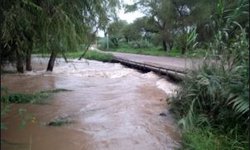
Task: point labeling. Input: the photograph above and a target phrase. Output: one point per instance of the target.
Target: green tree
(115, 31)
(53, 25)
(170, 18)
(131, 32)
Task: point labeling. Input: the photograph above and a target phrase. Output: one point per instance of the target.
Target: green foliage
(186, 41)
(213, 92)
(102, 44)
(24, 98)
(207, 138)
(34, 98)
(132, 31)
(92, 55)
(228, 26)
(55, 25)
(115, 31)
(169, 18)
(216, 95)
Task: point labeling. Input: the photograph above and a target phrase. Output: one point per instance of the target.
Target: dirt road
(175, 63)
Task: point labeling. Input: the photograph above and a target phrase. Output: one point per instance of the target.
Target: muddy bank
(111, 107)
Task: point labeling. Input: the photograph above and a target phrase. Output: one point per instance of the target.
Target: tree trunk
(19, 63)
(28, 60)
(115, 42)
(64, 56)
(84, 52)
(127, 39)
(164, 45)
(52, 60)
(183, 50)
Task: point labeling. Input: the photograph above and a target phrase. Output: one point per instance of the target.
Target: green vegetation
(25, 98)
(215, 98)
(207, 138)
(91, 55)
(212, 104)
(157, 51)
(7, 71)
(56, 26)
(34, 98)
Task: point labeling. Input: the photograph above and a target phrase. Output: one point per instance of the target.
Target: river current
(111, 107)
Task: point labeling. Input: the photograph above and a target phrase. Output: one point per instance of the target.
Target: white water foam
(169, 88)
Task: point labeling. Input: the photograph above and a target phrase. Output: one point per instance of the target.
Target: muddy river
(111, 108)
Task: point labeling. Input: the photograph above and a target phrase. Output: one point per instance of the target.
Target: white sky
(129, 17)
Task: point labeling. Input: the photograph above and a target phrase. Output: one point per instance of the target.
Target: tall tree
(115, 30)
(171, 17)
(54, 25)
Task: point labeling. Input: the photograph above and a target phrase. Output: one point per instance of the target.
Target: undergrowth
(34, 98)
(212, 104)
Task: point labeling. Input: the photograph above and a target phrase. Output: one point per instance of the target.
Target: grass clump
(34, 98)
(25, 98)
(207, 138)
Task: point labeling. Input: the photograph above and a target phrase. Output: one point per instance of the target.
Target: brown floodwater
(111, 108)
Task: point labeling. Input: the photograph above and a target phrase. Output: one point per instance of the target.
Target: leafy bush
(216, 97)
(215, 94)
(187, 40)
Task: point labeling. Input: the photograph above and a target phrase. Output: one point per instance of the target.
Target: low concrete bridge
(174, 68)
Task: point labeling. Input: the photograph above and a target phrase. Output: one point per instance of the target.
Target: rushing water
(112, 108)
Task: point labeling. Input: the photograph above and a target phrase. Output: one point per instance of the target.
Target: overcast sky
(129, 17)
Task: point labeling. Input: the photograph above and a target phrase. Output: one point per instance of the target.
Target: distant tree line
(179, 23)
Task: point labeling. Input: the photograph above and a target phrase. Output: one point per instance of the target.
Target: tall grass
(212, 104)
(215, 97)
